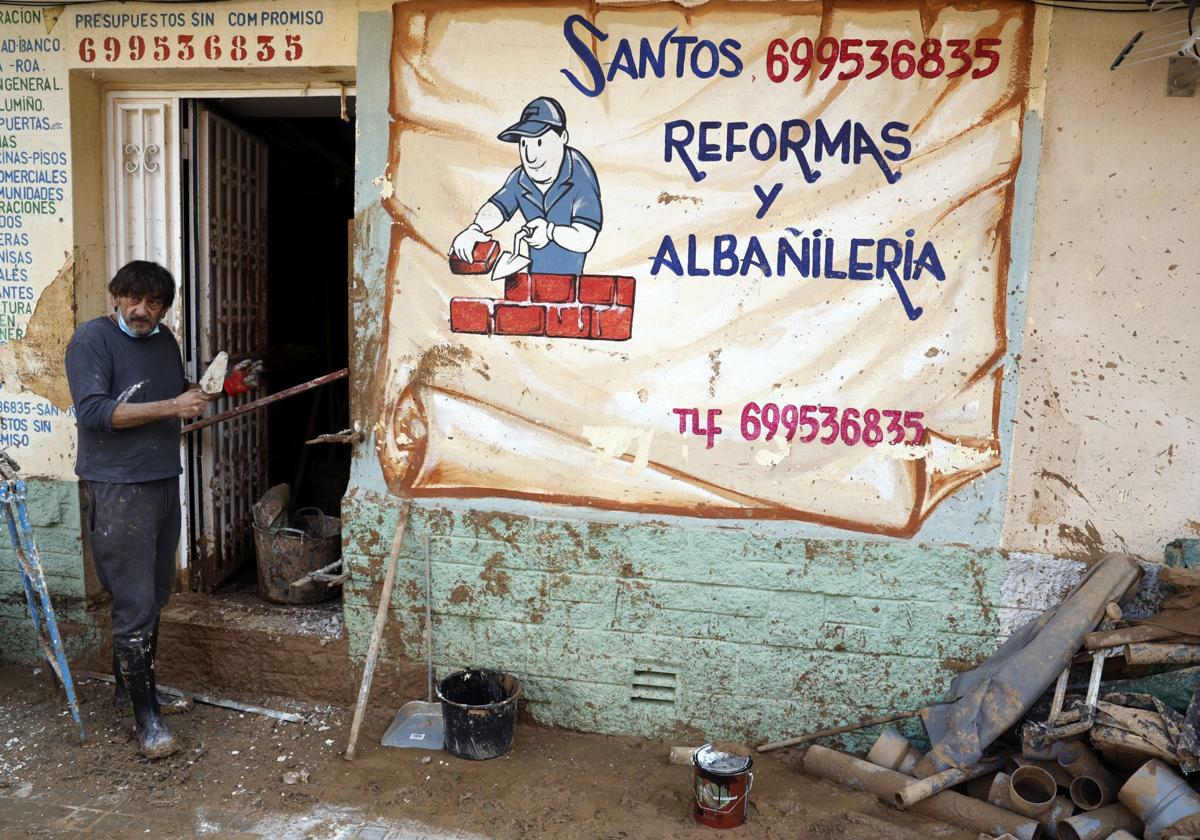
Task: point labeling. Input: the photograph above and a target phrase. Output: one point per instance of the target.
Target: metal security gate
(228, 303)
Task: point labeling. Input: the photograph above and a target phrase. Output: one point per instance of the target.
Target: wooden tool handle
(268, 400)
(838, 730)
(385, 601)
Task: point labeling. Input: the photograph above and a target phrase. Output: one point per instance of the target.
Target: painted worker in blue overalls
(554, 189)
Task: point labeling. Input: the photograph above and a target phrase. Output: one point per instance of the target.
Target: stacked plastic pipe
(1120, 772)
(1075, 797)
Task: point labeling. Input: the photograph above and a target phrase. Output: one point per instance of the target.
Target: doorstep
(249, 648)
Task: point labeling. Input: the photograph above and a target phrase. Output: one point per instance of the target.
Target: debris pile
(1082, 725)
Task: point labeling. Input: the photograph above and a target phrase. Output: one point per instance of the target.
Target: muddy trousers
(134, 531)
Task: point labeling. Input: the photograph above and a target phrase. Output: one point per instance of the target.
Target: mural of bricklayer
(583, 306)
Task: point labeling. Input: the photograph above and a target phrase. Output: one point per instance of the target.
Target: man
(555, 190)
(130, 394)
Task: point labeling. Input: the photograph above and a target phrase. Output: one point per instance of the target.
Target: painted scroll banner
(920, 155)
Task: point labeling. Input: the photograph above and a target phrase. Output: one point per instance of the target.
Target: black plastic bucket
(479, 712)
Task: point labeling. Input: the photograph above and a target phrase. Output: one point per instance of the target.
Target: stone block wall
(705, 631)
(54, 512)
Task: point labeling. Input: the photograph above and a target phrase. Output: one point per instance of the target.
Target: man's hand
(465, 242)
(539, 233)
(190, 403)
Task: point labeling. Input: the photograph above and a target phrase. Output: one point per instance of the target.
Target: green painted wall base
(693, 631)
(55, 515)
(698, 632)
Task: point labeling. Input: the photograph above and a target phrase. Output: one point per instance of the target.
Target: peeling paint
(386, 188)
(611, 442)
(34, 362)
(770, 457)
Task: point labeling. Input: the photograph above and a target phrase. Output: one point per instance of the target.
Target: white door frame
(139, 160)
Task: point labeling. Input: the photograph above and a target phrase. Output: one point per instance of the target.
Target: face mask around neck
(125, 328)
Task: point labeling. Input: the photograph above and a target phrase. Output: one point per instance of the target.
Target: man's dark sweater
(106, 367)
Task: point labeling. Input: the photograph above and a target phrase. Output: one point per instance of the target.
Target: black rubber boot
(120, 691)
(168, 704)
(136, 666)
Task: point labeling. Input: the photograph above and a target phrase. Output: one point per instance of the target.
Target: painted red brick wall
(584, 306)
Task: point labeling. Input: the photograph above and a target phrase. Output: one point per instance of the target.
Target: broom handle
(381, 614)
(428, 622)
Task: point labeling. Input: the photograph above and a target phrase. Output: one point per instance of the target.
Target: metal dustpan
(418, 725)
(511, 262)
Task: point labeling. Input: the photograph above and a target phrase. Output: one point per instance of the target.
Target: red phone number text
(183, 47)
(902, 58)
(811, 423)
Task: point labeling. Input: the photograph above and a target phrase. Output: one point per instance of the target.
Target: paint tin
(721, 787)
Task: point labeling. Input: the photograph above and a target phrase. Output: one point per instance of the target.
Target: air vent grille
(654, 684)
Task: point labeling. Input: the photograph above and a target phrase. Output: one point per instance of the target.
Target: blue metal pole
(24, 543)
(25, 581)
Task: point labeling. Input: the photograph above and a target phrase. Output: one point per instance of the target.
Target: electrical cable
(1100, 5)
(1064, 5)
(1191, 29)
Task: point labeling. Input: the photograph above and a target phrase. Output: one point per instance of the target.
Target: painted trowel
(213, 380)
(511, 262)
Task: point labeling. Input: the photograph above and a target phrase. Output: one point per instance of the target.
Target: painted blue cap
(539, 116)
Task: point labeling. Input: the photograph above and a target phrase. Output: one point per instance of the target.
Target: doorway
(268, 200)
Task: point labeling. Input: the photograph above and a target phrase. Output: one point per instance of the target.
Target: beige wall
(1105, 452)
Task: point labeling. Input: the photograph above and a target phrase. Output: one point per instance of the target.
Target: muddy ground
(229, 782)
